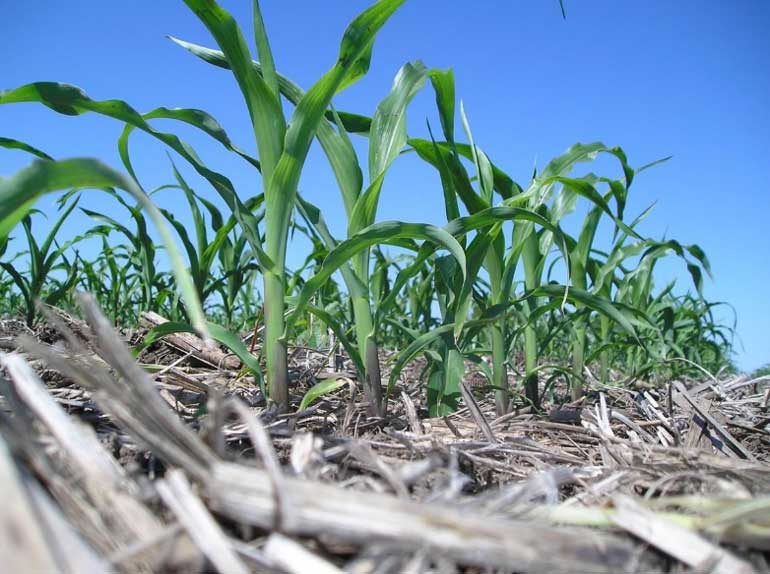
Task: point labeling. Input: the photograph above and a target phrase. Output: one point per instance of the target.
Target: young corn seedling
(387, 137)
(634, 289)
(142, 249)
(226, 248)
(456, 183)
(283, 149)
(113, 281)
(44, 259)
(533, 249)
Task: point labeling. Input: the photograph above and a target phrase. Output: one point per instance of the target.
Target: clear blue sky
(659, 78)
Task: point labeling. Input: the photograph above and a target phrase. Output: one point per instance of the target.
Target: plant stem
(578, 360)
(367, 346)
(530, 259)
(604, 355)
(530, 364)
(275, 346)
(496, 330)
(499, 371)
(373, 384)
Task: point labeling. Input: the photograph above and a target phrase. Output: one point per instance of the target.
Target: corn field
(501, 285)
(500, 294)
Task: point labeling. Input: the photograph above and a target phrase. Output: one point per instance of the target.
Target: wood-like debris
(107, 466)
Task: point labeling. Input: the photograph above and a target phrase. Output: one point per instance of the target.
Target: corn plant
(635, 290)
(10, 298)
(226, 248)
(113, 281)
(142, 249)
(282, 149)
(387, 137)
(44, 259)
(386, 131)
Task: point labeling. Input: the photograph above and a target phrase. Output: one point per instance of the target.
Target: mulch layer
(172, 462)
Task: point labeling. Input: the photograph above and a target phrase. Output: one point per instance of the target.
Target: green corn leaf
(480, 160)
(444, 384)
(492, 215)
(343, 160)
(451, 207)
(456, 291)
(387, 138)
(20, 281)
(613, 262)
(356, 43)
(218, 333)
(445, 161)
(192, 254)
(577, 153)
(444, 87)
(589, 300)
(387, 135)
(374, 234)
(353, 123)
(46, 259)
(70, 100)
(73, 274)
(319, 390)
(356, 46)
(199, 223)
(416, 346)
(495, 215)
(386, 306)
(196, 118)
(111, 225)
(584, 188)
(503, 184)
(265, 53)
(10, 143)
(264, 107)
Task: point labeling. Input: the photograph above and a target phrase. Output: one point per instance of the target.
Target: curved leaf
(415, 347)
(372, 235)
(10, 143)
(21, 191)
(71, 100)
(218, 333)
(320, 389)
